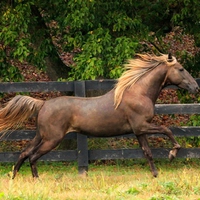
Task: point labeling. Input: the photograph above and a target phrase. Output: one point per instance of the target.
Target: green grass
(116, 180)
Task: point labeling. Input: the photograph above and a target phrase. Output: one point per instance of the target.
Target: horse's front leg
(147, 152)
(176, 148)
(153, 129)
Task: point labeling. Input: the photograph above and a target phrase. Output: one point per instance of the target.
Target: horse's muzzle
(194, 90)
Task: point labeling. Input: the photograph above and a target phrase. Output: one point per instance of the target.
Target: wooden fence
(82, 154)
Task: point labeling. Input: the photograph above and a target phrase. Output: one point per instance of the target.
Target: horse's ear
(170, 59)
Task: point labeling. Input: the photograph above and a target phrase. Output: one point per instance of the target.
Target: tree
(99, 34)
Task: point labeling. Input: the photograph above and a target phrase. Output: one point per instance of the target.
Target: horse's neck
(152, 83)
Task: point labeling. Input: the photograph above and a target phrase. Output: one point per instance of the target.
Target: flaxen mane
(136, 68)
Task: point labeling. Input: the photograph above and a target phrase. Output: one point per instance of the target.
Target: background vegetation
(178, 180)
(93, 38)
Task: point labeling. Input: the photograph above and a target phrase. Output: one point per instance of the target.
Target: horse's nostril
(197, 89)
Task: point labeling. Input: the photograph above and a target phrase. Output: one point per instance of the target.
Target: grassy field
(122, 180)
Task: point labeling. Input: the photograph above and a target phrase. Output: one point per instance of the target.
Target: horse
(127, 108)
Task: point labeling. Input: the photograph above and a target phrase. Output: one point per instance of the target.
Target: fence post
(82, 145)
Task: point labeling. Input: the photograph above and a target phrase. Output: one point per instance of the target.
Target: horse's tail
(17, 110)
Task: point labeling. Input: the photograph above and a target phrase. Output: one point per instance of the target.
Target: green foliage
(2, 195)
(20, 38)
(102, 35)
(106, 39)
(194, 120)
(185, 97)
(102, 56)
(14, 39)
(9, 73)
(190, 62)
(186, 13)
(133, 191)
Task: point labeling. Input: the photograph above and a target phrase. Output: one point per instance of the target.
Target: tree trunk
(55, 67)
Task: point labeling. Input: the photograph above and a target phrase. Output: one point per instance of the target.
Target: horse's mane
(135, 69)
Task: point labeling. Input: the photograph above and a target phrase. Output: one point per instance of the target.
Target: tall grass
(129, 180)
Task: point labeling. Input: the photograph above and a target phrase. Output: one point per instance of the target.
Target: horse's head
(180, 77)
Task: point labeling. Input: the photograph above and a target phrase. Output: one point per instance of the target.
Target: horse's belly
(98, 117)
(105, 128)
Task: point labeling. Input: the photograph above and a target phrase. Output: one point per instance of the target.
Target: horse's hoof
(155, 174)
(171, 155)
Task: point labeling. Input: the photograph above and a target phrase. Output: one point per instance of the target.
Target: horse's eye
(181, 69)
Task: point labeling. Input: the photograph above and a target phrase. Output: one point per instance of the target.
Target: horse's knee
(177, 146)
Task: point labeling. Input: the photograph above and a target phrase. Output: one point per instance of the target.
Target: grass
(121, 180)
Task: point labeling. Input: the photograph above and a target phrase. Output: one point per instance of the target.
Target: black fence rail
(82, 154)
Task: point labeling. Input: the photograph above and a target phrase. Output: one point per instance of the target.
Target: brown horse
(128, 108)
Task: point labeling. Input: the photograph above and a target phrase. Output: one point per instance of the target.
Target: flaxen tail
(17, 110)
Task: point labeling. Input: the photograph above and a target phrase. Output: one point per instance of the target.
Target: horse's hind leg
(147, 152)
(26, 153)
(44, 148)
